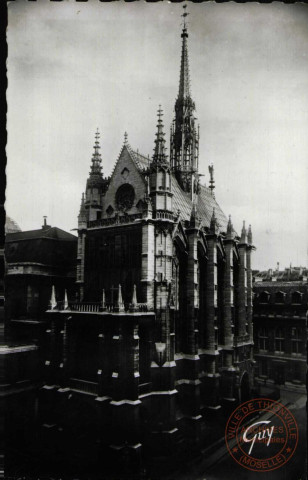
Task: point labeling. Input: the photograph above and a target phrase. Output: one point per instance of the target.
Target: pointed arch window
(279, 340)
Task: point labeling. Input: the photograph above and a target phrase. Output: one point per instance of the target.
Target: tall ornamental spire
(184, 88)
(159, 156)
(184, 142)
(97, 184)
(96, 163)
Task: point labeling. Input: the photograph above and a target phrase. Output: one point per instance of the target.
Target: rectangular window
(263, 339)
(296, 341)
(279, 341)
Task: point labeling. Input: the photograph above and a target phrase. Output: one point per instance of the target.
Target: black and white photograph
(156, 241)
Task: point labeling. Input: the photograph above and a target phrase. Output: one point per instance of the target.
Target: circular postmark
(261, 435)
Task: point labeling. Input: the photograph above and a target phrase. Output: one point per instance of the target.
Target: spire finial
(53, 301)
(249, 235)
(184, 15)
(159, 149)
(184, 141)
(213, 224)
(184, 89)
(125, 138)
(66, 305)
(96, 165)
(194, 219)
(103, 301)
(119, 304)
(244, 233)
(229, 228)
(212, 181)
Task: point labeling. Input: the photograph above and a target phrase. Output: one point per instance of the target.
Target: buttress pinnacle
(160, 156)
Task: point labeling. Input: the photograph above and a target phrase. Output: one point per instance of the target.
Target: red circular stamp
(261, 435)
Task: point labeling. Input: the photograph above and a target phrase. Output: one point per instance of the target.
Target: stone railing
(83, 386)
(98, 307)
(117, 220)
(86, 307)
(161, 215)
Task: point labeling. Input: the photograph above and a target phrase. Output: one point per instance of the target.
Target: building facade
(35, 261)
(280, 320)
(160, 340)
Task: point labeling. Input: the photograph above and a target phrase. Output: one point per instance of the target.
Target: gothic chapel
(159, 339)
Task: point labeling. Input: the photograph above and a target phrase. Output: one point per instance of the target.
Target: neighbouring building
(280, 327)
(35, 261)
(159, 343)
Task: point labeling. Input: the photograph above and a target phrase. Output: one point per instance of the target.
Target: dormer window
(280, 297)
(297, 298)
(264, 297)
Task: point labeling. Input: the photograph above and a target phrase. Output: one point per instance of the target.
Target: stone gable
(125, 172)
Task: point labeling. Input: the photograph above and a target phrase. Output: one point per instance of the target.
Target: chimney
(45, 226)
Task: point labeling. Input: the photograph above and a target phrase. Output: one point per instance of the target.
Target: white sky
(73, 67)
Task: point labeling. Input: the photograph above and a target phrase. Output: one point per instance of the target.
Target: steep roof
(54, 233)
(205, 205)
(182, 201)
(142, 162)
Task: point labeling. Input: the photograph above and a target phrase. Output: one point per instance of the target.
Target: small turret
(160, 176)
(160, 157)
(97, 184)
(214, 228)
(244, 234)
(230, 231)
(194, 219)
(249, 236)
